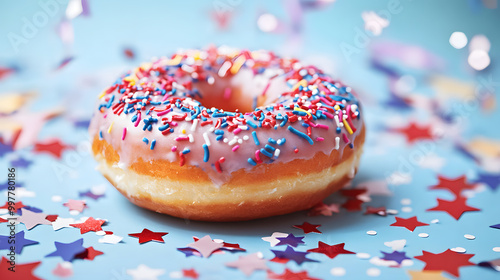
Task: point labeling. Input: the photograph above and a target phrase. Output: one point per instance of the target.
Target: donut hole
(230, 99)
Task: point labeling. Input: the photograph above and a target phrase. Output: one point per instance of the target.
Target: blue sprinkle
(251, 124)
(271, 148)
(186, 151)
(219, 132)
(266, 153)
(251, 161)
(171, 130)
(351, 145)
(206, 156)
(271, 140)
(100, 135)
(145, 140)
(224, 125)
(218, 138)
(301, 134)
(153, 143)
(163, 127)
(305, 125)
(285, 120)
(283, 141)
(255, 139)
(338, 130)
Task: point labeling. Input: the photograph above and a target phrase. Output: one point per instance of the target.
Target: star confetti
(330, 251)
(494, 264)
(60, 223)
(290, 275)
(22, 271)
(273, 239)
(64, 269)
(489, 179)
(414, 132)
(497, 226)
(89, 254)
(90, 224)
(190, 273)
(291, 254)
(77, 205)
(353, 204)
(381, 211)
(396, 245)
(396, 256)
(53, 147)
(324, 209)
(143, 272)
(206, 246)
(21, 162)
(410, 223)
(249, 263)
(448, 261)
(426, 275)
(110, 239)
(68, 251)
(291, 240)
(146, 235)
(31, 219)
(308, 228)
(92, 195)
(20, 242)
(454, 207)
(455, 186)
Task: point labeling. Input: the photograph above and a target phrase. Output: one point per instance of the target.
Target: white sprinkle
(374, 272)
(363, 255)
(470, 236)
(423, 235)
(57, 198)
(406, 201)
(371, 232)
(223, 69)
(337, 271)
(458, 40)
(240, 141)
(435, 221)
(246, 137)
(458, 249)
(277, 153)
(406, 209)
(337, 143)
(225, 140)
(195, 123)
(243, 127)
(232, 142)
(496, 249)
(212, 129)
(207, 140)
(191, 138)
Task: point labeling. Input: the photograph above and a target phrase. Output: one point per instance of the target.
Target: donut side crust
(263, 191)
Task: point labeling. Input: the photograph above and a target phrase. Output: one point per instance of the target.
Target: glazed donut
(221, 134)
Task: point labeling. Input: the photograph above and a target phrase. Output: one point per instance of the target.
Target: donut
(221, 134)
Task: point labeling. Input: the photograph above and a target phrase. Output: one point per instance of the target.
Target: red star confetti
(308, 228)
(77, 205)
(206, 246)
(448, 261)
(90, 224)
(17, 205)
(290, 275)
(190, 273)
(249, 263)
(381, 211)
(323, 209)
(146, 235)
(64, 269)
(89, 254)
(22, 271)
(53, 147)
(454, 207)
(410, 223)
(353, 204)
(455, 186)
(330, 251)
(414, 132)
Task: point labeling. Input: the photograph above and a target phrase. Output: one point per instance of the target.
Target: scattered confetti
(330, 251)
(249, 263)
(146, 235)
(410, 223)
(448, 261)
(307, 228)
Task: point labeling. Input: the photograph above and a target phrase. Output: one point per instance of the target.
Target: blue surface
(158, 28)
